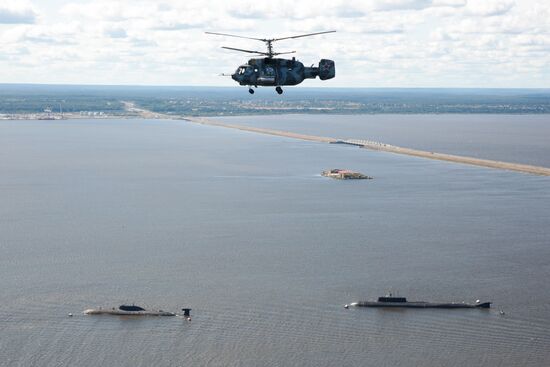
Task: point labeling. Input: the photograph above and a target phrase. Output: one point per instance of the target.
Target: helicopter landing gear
(279, 90)
(250, 90)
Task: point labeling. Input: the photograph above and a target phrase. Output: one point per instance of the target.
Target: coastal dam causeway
(368, 144)
(373, 145)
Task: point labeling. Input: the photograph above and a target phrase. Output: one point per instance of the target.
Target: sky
(378, 43)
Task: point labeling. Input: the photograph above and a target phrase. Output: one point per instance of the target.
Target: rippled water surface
(243, 229)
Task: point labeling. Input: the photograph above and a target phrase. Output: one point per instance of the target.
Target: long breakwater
(518, 167)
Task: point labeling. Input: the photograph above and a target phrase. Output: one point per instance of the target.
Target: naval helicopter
(270, 71)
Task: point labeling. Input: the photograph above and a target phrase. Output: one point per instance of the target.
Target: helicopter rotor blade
(248, 51)
(232, 35)
(302, 35)
(283, 53)
(268, 42)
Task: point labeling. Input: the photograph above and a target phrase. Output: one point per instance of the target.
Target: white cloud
(116, 32)
(489, 7)
(392, 42)
(17, 11)
(450, 3)
(110, 10)
(400, 4)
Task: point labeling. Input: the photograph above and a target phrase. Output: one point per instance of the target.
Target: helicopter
(269, 71)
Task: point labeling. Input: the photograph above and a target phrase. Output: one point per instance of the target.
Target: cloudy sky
(379, 43)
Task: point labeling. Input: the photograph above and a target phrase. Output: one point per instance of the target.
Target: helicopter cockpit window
(241, 71)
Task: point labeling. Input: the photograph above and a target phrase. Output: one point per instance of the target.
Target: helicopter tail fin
(327, 69)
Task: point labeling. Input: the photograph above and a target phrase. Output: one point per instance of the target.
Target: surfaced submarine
(391, 301)
(133, 310)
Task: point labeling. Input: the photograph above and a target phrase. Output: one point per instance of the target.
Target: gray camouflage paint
(278, 72)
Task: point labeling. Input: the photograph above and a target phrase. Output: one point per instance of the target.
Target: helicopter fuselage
(272, 72)
(277, 72)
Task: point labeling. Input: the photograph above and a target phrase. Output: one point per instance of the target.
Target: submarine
(133, 310)
(391, 301)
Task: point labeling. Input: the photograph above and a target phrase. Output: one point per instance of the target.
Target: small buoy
(501, 312)
(70, 314)
(188, 319)
(346, 306)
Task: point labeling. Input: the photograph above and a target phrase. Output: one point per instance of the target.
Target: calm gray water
(511, 138)
(242, 228)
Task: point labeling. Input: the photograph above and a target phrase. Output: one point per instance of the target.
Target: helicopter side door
(268, 74)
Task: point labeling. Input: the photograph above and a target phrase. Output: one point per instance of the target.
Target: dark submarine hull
(117, 312)
(421, 304)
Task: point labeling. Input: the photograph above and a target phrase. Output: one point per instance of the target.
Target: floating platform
(344, 174)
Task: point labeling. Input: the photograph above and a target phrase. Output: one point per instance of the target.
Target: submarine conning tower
(392, 299)
(186, 312)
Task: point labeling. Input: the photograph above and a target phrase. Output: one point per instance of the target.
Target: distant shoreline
(90, 101)
(162, 116)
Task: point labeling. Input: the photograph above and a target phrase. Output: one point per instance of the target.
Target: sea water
(242, 228)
